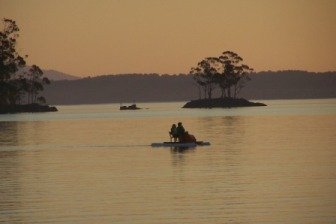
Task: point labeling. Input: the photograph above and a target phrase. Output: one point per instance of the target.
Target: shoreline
(26, 108)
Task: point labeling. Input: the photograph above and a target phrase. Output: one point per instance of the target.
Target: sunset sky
(95, 37)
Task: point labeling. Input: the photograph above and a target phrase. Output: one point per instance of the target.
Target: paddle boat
(185, 140)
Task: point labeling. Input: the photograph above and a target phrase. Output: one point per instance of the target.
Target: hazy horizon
(86, 38)
(47, 71)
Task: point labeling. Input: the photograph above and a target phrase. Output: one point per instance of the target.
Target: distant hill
(50, 74)
(154, 87)
(56, 75)
(121, 88)
(290, 85)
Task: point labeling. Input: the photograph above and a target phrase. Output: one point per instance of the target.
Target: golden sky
(95, 37)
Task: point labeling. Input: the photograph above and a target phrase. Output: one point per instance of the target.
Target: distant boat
(181, 144)
(131, 107)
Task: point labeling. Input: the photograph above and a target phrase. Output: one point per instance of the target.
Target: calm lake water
(94, 164)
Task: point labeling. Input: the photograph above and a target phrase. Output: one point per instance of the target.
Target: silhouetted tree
(241, 78)
(205, 75)
(233, 74)
(16, 89)
(14, 86)
(34, 85)
(10, 62)
(227, 72)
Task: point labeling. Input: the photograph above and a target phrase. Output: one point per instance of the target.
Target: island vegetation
(20, 85)
(226, 72)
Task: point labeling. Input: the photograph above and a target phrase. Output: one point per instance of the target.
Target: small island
(221, 103)
(23, 108)
(227, 73)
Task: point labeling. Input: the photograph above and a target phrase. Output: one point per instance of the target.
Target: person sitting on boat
(180, 131)
(173, 133)
(183, 135)
(188, 138)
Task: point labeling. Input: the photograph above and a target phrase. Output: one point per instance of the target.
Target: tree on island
(226, 72)
(205, 75)
(14, 82)
(234, 74)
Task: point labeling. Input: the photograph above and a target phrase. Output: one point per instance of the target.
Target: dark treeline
(291, 84)
(154, 87)
(121, 88)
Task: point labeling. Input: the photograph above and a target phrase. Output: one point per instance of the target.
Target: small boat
(131, 107)
(181, 144)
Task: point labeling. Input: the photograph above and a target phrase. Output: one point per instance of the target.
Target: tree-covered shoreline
(26, 108)
(20, 85)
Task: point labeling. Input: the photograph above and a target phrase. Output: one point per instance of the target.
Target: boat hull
(180, 144)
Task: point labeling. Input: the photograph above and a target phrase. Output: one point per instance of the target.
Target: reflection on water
(22, 133)
(258, 169)
(178, 155)
(8, 132)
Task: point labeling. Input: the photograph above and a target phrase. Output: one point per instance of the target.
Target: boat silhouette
(131, 107)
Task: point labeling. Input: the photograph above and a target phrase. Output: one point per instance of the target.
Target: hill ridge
(155, 87)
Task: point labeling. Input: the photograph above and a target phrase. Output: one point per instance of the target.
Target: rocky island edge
(34, 107)
(221, 103)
